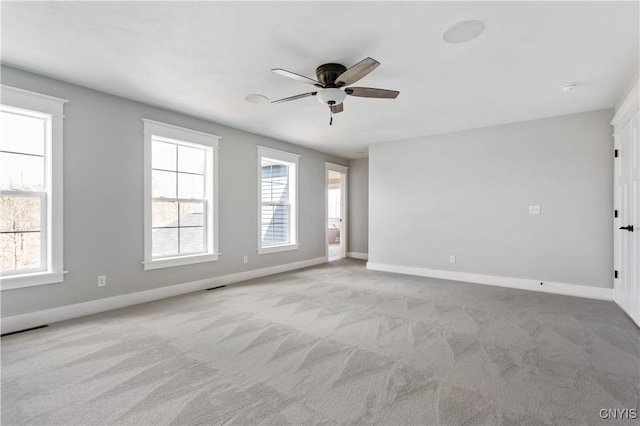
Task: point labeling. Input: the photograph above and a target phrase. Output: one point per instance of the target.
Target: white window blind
(276, 209)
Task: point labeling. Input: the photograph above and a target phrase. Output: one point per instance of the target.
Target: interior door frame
(344, 170)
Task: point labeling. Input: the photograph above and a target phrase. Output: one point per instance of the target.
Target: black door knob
(628, 228)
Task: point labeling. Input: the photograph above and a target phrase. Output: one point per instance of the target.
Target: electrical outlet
(102, 280)
(452, 259)
(245, 259)
(534, 209)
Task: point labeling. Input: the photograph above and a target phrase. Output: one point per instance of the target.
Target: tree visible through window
(31, 188)
(23, 185)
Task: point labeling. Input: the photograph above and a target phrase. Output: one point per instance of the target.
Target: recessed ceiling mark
(255, 98)
(462, 32)
(569, 87)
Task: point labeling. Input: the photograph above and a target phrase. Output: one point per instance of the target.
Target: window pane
(334, 203)
(163, 155)
(164, 242)
(191, 240)
(21, 172)
(191, 160)
(275, 183)
(192, 214)
(20, 251)
(190, 186)
(164, 214)
(267, 162)
(163, 184)
(275, 225)
(22, 134)
(19, 213)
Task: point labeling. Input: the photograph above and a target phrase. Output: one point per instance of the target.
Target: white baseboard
(519, 283)
(356, 255)
(48, 316)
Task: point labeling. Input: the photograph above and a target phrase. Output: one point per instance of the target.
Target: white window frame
(186, 137)
(292, 160)
(51, 109)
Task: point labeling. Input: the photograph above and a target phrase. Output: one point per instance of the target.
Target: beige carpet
(334, 344)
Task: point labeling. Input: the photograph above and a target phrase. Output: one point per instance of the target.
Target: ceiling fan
(332, 81)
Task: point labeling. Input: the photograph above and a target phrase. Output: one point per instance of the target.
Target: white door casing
(627, 205)
(344, 171)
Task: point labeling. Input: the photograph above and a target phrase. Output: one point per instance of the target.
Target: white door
(627, 223)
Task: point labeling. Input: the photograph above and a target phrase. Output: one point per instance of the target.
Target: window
(277, 207)
(180, 196)
(30, 188)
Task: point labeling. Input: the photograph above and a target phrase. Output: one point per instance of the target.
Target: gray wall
(467, 194)
(358, 203)
(103, 199)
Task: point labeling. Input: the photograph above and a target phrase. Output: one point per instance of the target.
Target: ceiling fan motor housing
(328, 73)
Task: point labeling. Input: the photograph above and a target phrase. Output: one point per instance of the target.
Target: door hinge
(615, 213)
(615, 274)
(615, 153)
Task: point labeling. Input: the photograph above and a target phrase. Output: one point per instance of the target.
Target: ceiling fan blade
(298, 77)
(356, 72)
(337, 108)
(293, 98)
(368, 92)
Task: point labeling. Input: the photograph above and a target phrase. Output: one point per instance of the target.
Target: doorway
(336, 212)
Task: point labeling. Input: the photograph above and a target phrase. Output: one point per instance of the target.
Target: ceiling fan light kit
(331, 96)
(332, 81)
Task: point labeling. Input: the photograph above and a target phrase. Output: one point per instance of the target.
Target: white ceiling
(202, 58)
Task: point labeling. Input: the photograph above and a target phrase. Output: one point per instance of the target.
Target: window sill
(31, 280)
(180, 261)
(275, 249)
